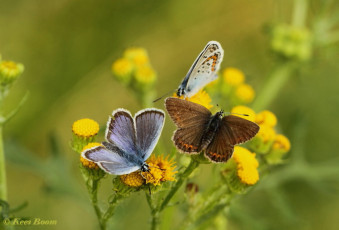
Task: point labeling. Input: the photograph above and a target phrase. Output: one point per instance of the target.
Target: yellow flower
(245, 93)
(263, 141)
(266, 118)
(9, 71)
(145, 75)
(201, 98)
(137, 55)
(122, 69)
(241, 171)
(241, 109)
(247, 165)
(249, 175)
(266, 133)
(244, 158)
(161, 170)
(233, 76)
(86, 163)
(282, 143)
(84, 132)
(133, 179)
(85, 127)
(280, 147)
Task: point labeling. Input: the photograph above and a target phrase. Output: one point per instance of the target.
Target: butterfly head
(220, 114)
(144, 167)
(181, 91)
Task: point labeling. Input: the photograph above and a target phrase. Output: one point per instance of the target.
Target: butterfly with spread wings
(199, 130)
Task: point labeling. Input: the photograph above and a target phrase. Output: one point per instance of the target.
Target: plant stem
(219, 195)
(94, 199)
(110, 211)
(193, 164)
(274, 84)
(154, 212)
(3, 183)
(299, 13)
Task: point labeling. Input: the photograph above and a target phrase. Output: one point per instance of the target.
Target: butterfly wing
(239, 130)
(110, 160)
(120, 131)
(191, 120)
(149, 124)
(204, 69)
(233, 130)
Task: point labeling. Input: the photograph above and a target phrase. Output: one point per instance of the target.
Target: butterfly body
(129, 141)
(203, 70)
(199, 130)
(211, 130)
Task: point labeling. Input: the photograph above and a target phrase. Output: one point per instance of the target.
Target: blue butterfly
(129, 141)
(203, 71)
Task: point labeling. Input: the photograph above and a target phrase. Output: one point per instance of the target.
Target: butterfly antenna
(168, 93)
(241, 114)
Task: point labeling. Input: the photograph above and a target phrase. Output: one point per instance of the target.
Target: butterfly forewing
(120, 131)
(191, 119)
(149, 124)
(238, 130)
(184, 113)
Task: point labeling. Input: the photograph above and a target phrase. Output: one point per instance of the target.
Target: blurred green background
(68, 46)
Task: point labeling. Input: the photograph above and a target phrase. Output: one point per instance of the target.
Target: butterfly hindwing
(117, 169)
(111, 159)
(148, 124)
(233, 130)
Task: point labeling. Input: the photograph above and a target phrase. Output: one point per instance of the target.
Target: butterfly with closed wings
(203, 71)
(129, 141)
(199, 130)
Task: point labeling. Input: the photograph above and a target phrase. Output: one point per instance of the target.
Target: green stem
(3, 183)
(213, 213)
(110, 211)
(193, 164)
(155, 213)
(218, 197)
(94, 199)
(274, 84)
(14, 111)
(299, 13)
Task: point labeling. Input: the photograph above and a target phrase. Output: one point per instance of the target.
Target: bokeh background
(68, 46)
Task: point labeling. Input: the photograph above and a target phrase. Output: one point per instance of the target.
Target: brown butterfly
(199, 130)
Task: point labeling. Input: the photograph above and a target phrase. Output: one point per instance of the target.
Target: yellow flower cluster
(9, 71)
(86, 163)
(134, 68)
(267, 141)
(201, 98)
(235, 86)
(247, 165)
(85, 127)
(160, 170)
(133, 179)
(84, 131)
